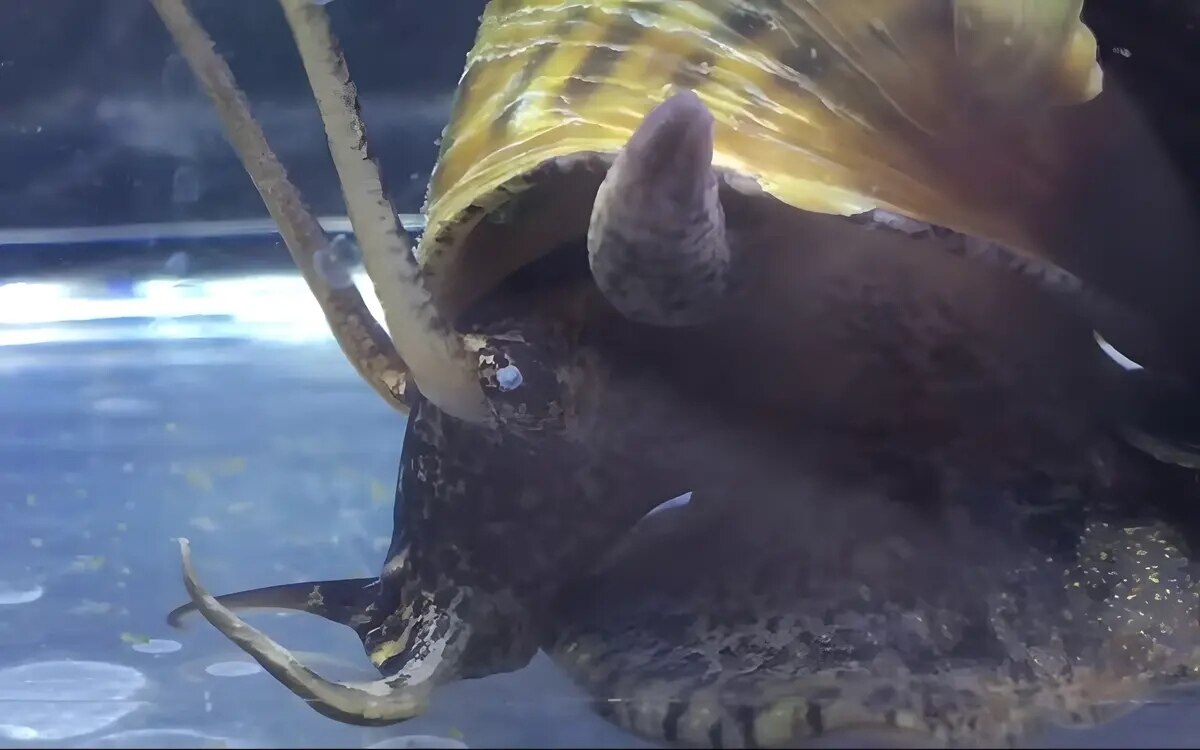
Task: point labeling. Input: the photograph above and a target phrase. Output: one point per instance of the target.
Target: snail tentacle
(364, 342)
(377, 703)
(434, 352)
(657, 243)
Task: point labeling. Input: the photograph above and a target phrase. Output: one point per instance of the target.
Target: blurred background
(155, 343)
(103, 123)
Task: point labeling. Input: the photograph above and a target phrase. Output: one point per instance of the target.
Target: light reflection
(271, 306)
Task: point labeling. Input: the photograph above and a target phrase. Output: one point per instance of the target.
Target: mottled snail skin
(469, 496)
(759, 642)
(894, 436)
(758, 584)
(657, 244)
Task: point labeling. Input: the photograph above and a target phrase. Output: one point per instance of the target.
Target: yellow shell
(928, 108)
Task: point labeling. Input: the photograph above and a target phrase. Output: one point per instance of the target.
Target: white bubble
(18, 733)
(10, 594)
(331, 268)
(233, 668)
(162, 738)
(123, 406)
(418, 740)
(57, 700)
(345, 248)
(157, 646)
(337, 261)
(177, 78)
(509, 378)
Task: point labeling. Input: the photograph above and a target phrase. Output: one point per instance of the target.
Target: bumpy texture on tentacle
(370, 704)
(433, 351)
(657, 243)
(344, 601)
(360, 336)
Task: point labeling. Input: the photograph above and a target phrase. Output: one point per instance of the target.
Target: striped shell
(925, 108)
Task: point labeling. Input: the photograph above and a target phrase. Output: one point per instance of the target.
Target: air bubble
(10, 594)
(157, 646)
(233, 669)
(163, 738)
(509, 378)
(51, 701)
(123, 406)
(418, 740)
(336, 261)
(185, 185)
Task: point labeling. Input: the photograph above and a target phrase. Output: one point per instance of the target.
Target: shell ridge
(832, 107)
